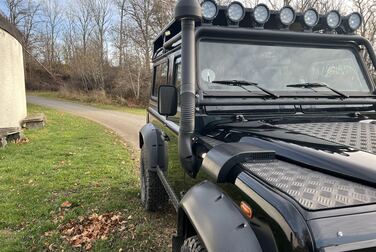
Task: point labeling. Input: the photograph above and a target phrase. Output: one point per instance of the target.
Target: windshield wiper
(313, 85)
(242, 84)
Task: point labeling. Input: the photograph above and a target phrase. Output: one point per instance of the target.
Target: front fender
(152, 138)
(217, 220)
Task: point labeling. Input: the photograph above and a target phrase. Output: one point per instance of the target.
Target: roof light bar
(209, 10)
(333, 19)
(354, 21)
(287, 16)
(261, 14)
(235, 12)
(311, 18)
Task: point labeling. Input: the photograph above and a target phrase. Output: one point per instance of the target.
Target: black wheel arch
(206, 211)
(153, 138)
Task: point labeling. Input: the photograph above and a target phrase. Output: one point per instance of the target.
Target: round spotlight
(287, 15)
(354, 21)
(311, 17)
(333, 19)
(235, 12)
(261, 13)
(209, 9)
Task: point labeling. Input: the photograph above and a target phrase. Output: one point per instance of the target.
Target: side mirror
(167, 100)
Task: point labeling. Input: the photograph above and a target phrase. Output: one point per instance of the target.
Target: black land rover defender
(262, 130)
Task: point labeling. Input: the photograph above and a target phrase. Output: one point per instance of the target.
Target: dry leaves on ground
(82, 233)
(22, 140)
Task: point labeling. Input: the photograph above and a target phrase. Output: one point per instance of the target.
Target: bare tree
(163, 13)
(83, 16)
(277, 4)
(324, 6)
(100, 10)
(121, 6)
(367, 9)
(302, 5)
(53, 18)
(15, 10)
(133, 64)
(141, 16)
(29, 21)
(78, 37)
(70, 36)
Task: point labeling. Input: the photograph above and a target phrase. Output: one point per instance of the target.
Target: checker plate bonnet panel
(312, 190)
(361, 136)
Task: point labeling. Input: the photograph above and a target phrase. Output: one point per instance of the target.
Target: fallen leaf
(51, 247)
(48, 234)
(66, 204)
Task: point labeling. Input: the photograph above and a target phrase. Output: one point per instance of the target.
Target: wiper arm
(313, 85)
(242, 84)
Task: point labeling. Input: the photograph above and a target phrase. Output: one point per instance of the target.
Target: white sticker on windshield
(208, 75)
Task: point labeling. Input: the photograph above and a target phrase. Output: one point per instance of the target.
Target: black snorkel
(188, 12)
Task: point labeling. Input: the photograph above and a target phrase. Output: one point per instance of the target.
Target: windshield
(276, 66)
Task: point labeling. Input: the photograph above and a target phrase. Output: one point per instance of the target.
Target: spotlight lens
(333, 19)
(235, 12)
(311, 17)
(287, 15)
(261, 13)
(355, 21)
(209, 10)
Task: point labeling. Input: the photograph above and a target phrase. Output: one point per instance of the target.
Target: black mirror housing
(167, 100)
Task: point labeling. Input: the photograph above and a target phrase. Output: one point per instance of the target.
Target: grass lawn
(87, 100)
(75, 160)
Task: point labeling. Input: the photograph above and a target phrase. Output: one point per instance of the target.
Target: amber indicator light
(246, 209)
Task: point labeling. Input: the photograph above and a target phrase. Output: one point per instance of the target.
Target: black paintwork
(285, 213)
(222, 159)
(167, 100)
(322, 155)
(310, 152)
(152, 138)
(206, 205)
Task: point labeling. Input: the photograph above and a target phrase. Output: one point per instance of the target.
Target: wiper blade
(312, 85)
(242, 84)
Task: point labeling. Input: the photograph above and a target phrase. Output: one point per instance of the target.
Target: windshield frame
(352, 46)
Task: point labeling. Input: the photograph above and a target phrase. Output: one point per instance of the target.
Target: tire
(192, 244)
(153, 194)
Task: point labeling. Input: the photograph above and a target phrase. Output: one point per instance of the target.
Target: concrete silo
(12, 77)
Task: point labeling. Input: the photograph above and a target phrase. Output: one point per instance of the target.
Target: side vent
(221, 159)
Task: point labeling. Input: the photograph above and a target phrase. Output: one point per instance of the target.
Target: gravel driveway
(124, 124)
